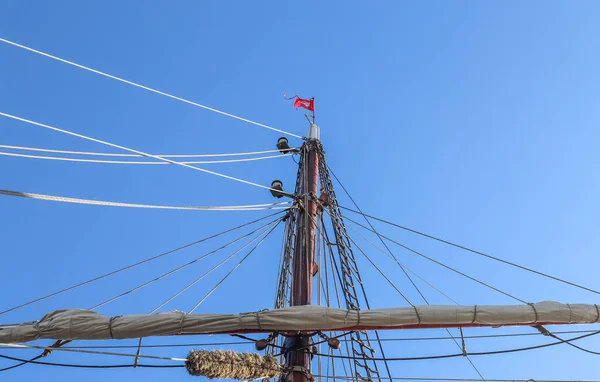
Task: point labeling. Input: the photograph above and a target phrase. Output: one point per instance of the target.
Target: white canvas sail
(76, 324)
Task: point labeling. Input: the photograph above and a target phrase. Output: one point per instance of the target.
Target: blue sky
(473, 121)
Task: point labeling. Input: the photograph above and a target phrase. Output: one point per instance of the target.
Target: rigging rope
(133, 151)
(174, 270)
(23, 148)
(407, 268)
(390, 254)
(477, 353)
(65, 159)
(472, 379)
(264, 237)
(35, 362)
(337, 377)
(74, 350)
(208, 272)
(343, 357)
(476, 252)
(442, 264)
(137, 264)
(341, 340)
(146, 87)
(250, 207)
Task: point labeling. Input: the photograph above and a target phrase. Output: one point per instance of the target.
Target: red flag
(305, 103)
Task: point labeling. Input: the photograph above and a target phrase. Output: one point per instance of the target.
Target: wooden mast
(304, 252)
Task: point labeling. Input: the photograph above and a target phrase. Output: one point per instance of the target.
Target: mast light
(277, 189)
(283, 146)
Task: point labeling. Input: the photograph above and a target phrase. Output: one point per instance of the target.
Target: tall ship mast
(322, 325)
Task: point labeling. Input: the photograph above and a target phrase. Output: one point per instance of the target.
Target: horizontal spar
(74, 324)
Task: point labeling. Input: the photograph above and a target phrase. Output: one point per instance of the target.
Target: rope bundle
(227, 364)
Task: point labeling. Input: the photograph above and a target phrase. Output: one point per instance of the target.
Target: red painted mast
(304, 253)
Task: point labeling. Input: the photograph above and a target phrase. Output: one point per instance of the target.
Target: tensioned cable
(137, 264)
(377, 233)
(407, 268)
(573, 345)
(339, 303)
(234, 268)
(251, 207)
(385, 245)
(380, 271)
(71, 350)
(146, 88)
(334, 221)
(477, 353)
(336, 377)
(197, 280)
(134, 151)
(427, 302)
(346, 357)
(174, 270)
(475, 252)
(66, 159)
(34, 362)
(23, 148)
(442, 264)
(403, 339)
(472, 379)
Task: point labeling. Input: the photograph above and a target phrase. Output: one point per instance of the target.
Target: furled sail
(76, 324)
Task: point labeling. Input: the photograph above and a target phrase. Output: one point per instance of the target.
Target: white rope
(72, 350)
(23, 148)
(133, 151)
(251, 207)
(146, 87)
(136, 162)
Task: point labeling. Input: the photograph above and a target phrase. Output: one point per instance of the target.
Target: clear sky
(474, 121)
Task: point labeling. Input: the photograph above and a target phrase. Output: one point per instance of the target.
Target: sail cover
(74, 324)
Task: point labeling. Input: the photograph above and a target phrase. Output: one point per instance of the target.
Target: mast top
(314, 131)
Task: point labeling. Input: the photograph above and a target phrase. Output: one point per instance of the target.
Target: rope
(136, 264)
(72, 350)
(333, 356)
(34, 362)
(387, 278)
(174, 270)
(476, 252)
(250, 207)
(463, 379)
(472, 354)
(442, 264)
(207, 273)
(234, 268)
(377, 233)
(64, 159)
(146, 88)
(573, 345)
(407, 268)
(336, 377)
(141, 156)
(133, 151)
(463, 347)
